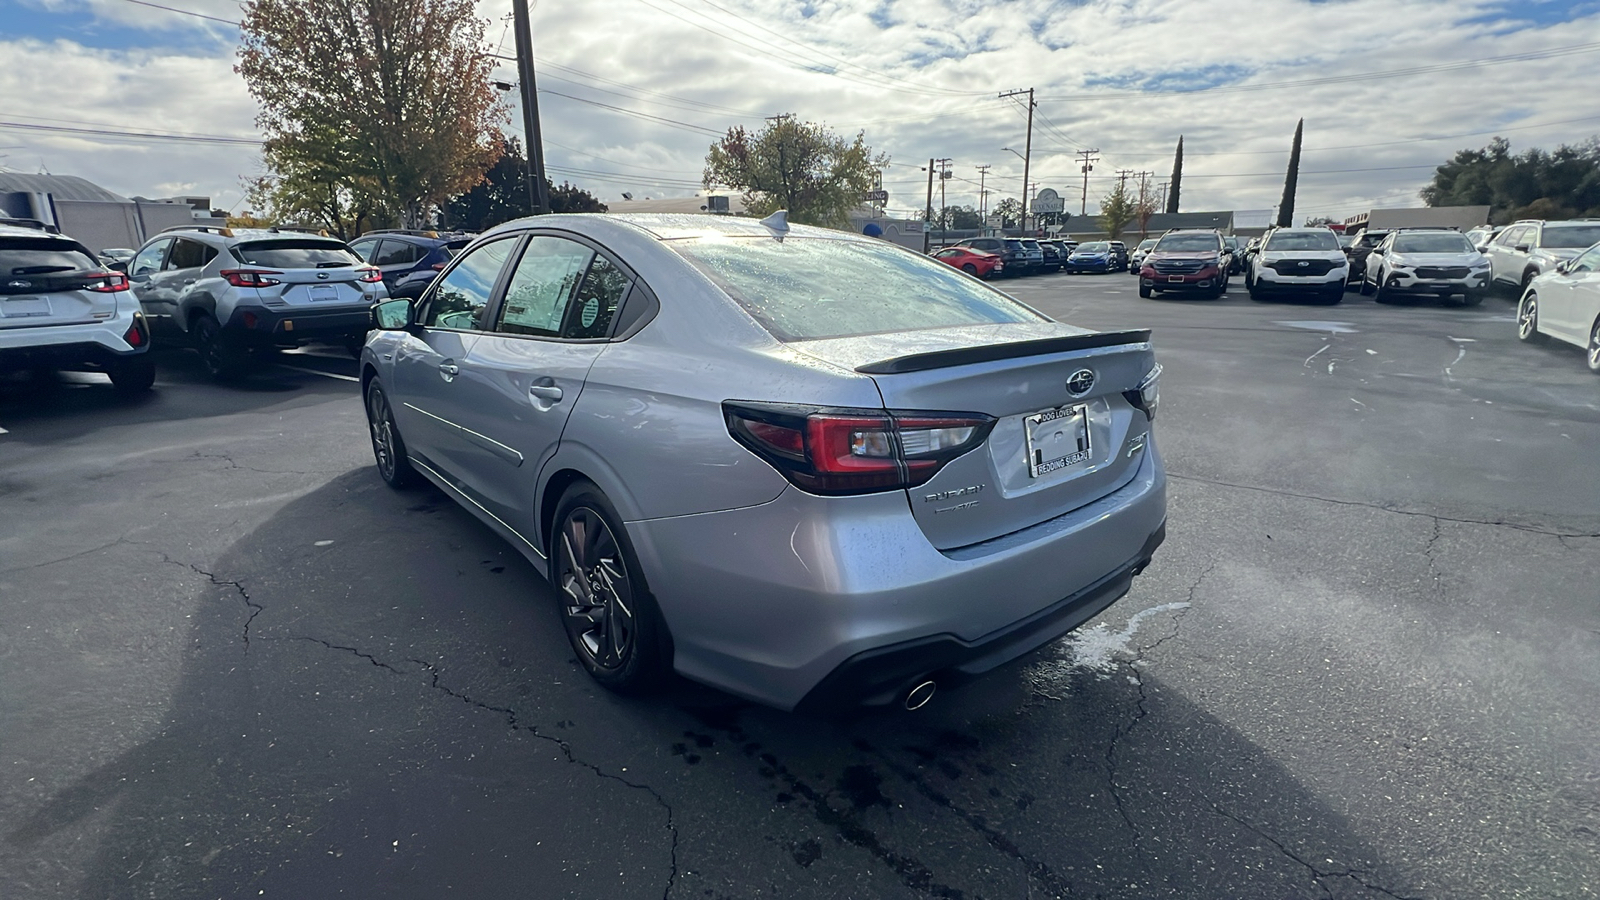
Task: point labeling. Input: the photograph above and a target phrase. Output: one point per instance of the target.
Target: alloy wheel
(381, 422)
(1594, 347)
(1528, 317)
(597, 597)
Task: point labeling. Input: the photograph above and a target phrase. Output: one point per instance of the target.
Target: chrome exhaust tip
(918, 697)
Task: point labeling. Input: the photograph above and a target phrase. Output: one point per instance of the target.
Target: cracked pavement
(1361, 667)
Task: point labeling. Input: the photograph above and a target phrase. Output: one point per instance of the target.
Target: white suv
(61, 309)
(1427, 261)
(1299, 261)
(228, 292)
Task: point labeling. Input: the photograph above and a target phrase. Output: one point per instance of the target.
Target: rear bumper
(836, 600)
(256, 326)
(93, 346)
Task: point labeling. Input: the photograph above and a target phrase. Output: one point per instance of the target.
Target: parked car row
(1014, 256)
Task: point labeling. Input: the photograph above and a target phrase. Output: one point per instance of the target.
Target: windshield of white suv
(1197, 242)
(1302, 240)
(1437, 242)
(296, 253)
(1569, 236)
(1147, 243)
(805, 289)
(25, 256)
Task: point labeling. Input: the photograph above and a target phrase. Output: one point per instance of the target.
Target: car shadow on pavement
(377, 700)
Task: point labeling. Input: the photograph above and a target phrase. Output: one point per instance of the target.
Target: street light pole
(538, 192)
(1027, 154)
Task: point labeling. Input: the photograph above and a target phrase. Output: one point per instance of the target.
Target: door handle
(546, 392)
(449, 370)
(188, 281)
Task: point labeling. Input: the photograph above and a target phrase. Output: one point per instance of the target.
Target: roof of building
(61, 187)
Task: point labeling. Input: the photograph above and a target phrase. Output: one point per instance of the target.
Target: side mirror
(1523, 248)
(1564, 266)
(393, 315)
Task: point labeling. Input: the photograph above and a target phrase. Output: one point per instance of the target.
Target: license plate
(324, 292)
(1174, 277)
(24, 307)
(1057, 438)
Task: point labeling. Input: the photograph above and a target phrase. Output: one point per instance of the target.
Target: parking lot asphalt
(1364, 664)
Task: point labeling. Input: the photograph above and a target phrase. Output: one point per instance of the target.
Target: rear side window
(187, 254)
(540, 288)
(396, 253)
(599, 296)
(1569, 237)
(808, 288)
(295, 253)
(24, 256)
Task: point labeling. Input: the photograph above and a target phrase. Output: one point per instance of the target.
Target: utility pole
(1027, 154)
(927, 216)
(983, 197)
(1089, 159)
(538, 192)
(1162, 188)
(1122, 177)
(944, 211)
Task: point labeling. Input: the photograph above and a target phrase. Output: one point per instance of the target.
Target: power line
(185, 12)
(665, 121)
(144, 135)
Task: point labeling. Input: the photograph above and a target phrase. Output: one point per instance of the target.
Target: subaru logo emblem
(324, 275)
(1302, 264)
(1081, 382)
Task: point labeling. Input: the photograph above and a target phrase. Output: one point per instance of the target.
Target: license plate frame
(322, 293)
(1174, 279)
(1050, 426)
(25, 308)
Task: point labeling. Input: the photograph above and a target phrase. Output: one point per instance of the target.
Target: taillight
(370, 275)
(135, 335)
(1147, 396)
(109, 283)
(250, 277)
(828, 450)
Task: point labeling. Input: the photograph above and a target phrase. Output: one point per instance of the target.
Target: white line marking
(1307, 363)
(1358, 402)
(1460, 352)
(323, 374)
(3, 431)
(1372, 353)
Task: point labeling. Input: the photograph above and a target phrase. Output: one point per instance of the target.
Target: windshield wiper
(333, 265)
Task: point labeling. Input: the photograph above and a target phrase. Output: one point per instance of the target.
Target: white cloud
(920, 77)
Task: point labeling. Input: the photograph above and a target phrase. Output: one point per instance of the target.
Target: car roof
(671, 226)
(24, 231)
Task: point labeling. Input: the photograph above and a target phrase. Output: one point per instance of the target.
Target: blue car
(408, 255)
(1095, 256)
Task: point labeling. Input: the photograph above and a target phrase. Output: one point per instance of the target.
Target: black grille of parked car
(1442, 271)
(1177, 266)
(1301, 266)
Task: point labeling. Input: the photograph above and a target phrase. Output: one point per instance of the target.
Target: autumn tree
(803, 167)
(1116, 211)
(371, 109)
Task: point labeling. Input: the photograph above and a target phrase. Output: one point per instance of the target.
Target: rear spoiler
(962, 356)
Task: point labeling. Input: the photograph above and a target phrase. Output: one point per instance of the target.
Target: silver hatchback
(806, 467)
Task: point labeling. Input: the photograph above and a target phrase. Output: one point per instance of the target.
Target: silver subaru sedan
(806, 467)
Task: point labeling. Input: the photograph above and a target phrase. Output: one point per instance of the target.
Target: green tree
(802, 167)
(1291, 181)
(1117, 209)
(1177, 178)
(1533, 184)
(1010, 212)
(502, 195)
(370, 108)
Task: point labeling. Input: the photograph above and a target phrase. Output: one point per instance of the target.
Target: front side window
(460, 295)
(1511, 237)
(1304, 240)
(394, 253)
(542, 285)
(810, 288)
(149, 259)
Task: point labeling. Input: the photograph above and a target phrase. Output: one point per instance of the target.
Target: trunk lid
(44, 281)
(1053, 448)
(312, 272)
(333, 286)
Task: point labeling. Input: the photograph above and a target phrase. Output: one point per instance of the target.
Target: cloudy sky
(633, 91)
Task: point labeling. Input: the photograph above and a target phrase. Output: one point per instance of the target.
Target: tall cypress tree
(1177, 178)
(1291, 181)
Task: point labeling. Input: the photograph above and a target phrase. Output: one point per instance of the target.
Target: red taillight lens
(135, 335)
(370, 275)
(110, 283)
(251, 277)
(827, 450)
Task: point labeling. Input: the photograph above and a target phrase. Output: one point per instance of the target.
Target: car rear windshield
(28, 256)
(1189, 242)
(1443, 242)
(1570, 236)
(1094, 247)
(1013, 245)
(809, 288)
(295, 253)
(1303, 240)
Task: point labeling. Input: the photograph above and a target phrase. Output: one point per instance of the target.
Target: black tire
(1222, 287)
(1144, 291)
(388, 448)
(1216, 292)
(1527, 279)
(1592, 352)
(1380, 294)
(1366, 288)
(223, 362)
(1256, 294)
(1473, 298)
(969, 268)
(133, 376)
(1332, 296)
(611, 620)
(1528, 319)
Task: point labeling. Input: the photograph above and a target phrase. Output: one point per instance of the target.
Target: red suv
(1186, 261)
